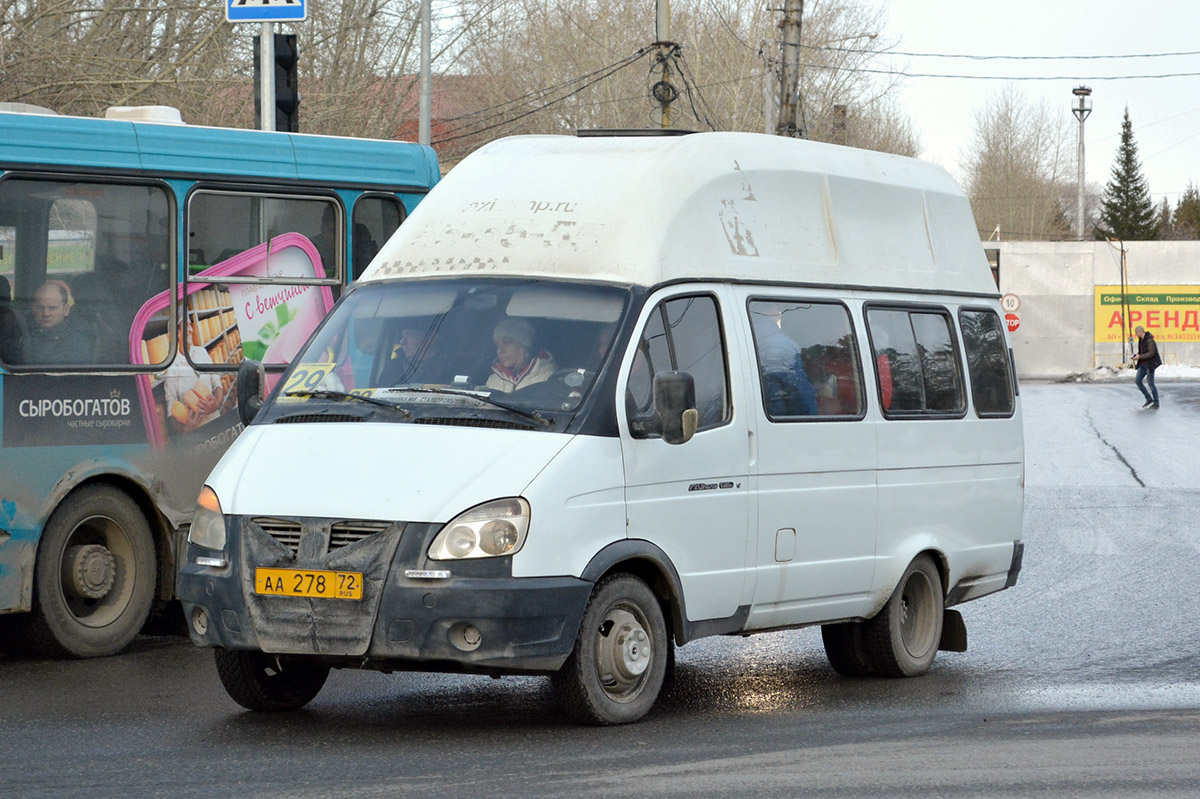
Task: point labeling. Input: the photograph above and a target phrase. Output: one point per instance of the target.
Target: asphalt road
(1082, 681)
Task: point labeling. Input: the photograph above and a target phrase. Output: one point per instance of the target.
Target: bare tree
(555, 67)
(85, 55)
(840, 102)
(358, 59)
(516, 65)
(1018, 168)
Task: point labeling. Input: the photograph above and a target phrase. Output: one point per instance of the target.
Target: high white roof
(645, 210)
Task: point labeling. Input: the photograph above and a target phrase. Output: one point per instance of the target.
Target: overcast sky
(1165, 111)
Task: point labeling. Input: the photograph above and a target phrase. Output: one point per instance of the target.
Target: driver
(420, 358)
(516, 366)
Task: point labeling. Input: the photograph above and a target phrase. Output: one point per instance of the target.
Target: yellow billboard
(1171, 313)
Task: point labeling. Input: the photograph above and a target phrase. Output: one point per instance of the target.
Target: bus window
(222, 224)
(98, 249)
(376, 217)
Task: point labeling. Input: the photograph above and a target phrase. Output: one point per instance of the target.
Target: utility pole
(266, 84)
(662, 91)
(423, 131)
(1081, 110)
(789, 80)
(770, 99)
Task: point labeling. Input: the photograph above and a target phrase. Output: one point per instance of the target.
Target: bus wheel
(94, 578)
(902, 639)
(258, 681)
(845, 649)
(616, 670)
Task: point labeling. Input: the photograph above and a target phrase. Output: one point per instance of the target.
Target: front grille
(285, 531)
(309, 418)
(341, 534)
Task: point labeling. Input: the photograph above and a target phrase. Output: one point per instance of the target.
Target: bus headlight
(208, 523)
(490, 530)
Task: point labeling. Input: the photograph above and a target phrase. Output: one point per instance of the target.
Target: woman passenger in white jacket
(516, 366)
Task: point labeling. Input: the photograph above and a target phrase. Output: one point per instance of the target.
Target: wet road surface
(1082, 681)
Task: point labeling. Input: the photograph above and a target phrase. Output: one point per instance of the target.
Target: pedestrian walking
(1147, 360)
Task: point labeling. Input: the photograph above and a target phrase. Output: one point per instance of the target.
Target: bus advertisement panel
(137, 270)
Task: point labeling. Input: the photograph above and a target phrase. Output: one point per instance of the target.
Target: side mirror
(250, 379)
(675, 406)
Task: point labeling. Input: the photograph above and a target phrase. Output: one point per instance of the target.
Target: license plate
(303, 582)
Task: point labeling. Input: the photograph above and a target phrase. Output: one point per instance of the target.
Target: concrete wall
(1055, 283)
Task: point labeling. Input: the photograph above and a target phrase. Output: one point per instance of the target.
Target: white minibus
(601, 396)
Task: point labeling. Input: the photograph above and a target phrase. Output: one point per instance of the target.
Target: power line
(689, 82)
(902, 73)
(542, 92)
(717, 10)
(615, 68)
(977, 57)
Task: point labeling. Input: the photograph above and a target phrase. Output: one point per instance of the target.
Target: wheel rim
(917, 610)
(96, 571)
(624, 652)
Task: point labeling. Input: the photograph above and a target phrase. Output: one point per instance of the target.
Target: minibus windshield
(531, 348)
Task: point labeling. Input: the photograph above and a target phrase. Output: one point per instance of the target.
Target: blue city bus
(141, 260)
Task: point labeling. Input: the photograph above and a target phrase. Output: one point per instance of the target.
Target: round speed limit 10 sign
(1010, 303)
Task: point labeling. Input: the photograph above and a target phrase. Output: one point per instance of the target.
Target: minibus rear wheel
(902, 639)
(258, 681)
(95, 576)
(616, 670)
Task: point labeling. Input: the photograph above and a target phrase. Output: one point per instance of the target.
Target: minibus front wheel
(259, 681)
(616, 670)
(902, 639)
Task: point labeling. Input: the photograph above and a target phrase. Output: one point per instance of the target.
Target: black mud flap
(954, 632)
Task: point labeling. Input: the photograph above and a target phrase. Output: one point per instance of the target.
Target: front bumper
(480, 618)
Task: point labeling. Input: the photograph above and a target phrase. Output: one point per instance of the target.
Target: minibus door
(814, 463)
(691, 500)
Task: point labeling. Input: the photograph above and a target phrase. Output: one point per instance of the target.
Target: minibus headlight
(460, 541)
(493, 529)
(208, 523)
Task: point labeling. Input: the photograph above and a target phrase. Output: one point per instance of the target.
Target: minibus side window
(939, 362)
(684, 334)
(987, 362)
(807, 360)
(916, 363)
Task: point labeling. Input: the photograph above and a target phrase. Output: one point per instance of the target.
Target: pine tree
(1186, 222)
(1127, 212)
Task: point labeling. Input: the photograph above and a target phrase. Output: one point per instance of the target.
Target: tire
(95, 576)
(616, 670)
(902, 639)
(258, 681)
(846, 650)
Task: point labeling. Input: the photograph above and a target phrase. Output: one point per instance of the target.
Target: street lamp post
(1081, 109)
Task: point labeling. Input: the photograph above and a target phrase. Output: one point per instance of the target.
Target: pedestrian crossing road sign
(266, 10)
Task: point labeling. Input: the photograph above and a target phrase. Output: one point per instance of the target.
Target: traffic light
(287, 90)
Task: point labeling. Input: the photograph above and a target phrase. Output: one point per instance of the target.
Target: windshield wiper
(340, 395)
(534, 417)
